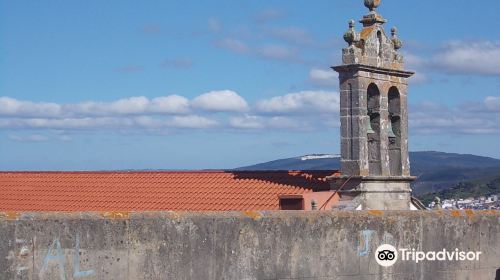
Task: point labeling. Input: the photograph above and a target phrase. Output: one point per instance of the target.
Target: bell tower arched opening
(394, 131)
(373, 129)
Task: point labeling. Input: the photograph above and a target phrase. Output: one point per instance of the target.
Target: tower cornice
(373, 69)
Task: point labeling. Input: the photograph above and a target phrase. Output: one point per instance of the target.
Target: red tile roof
(153, 191)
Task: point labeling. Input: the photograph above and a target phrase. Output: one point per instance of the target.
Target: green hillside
(474, 188)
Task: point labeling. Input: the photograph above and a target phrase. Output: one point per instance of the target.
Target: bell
(390, 132)
(369, 129)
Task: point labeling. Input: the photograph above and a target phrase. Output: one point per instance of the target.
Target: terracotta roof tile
(153, 191)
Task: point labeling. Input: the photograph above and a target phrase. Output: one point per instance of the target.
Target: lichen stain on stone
(366, 32)
(438, 212)
(470, 213)
(456, 213)
(252, 214)
(9, 215)
(376, 212)
(490, 212)
(115, 215)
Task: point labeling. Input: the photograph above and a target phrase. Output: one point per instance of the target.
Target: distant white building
(448, 205)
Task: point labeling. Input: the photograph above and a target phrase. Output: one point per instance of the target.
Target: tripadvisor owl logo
(387, 255)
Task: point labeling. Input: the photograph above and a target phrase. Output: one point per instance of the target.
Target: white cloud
(419, 78)
(144, 122)
(247, 122)
(332, 123)
(413, 61)
(469, 118)
(13, 107)
(419, 65)
(192, 122)
(65, 138)
(456, 58)
(173, 104)
(480, 58)
(302, 102)
(438, 124)
(133, 105)
(140, 122)
(221, 101)
(286, 123)
(127, 106)
(492, 103)
(306, 110)
(66, 123)
(429, 106)
(323, 77)
(260, 122)
(133, 112)
(28, 138)
(38, 138)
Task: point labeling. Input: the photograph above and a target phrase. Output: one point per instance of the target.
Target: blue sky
(92, 85)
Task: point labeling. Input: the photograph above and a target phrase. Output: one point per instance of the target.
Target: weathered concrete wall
(248, 245)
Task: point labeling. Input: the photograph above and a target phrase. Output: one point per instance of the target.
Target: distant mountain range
(436, 171)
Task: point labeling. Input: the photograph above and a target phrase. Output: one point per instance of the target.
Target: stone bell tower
(375, 166)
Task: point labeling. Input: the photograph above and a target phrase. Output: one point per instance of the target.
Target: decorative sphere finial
(395, 40)
(350, 35)
(352, 23)
(372, 4)
(394, 31)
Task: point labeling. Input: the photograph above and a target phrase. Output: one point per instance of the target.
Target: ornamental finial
(352, 23)
(350, 35)
(372, 4)
(394, 31)
(395, 40)
(372, 17)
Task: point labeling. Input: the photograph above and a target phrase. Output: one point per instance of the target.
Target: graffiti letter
(59, 257)
(366, 235)
(76, 262)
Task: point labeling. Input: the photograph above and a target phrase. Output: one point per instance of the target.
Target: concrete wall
(246, 245)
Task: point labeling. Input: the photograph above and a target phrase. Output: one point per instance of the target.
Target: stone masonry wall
(244, 245)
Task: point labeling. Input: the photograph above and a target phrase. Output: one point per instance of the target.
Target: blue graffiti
(59, 257)
(76, 262)
(366, 236)
(55, 253)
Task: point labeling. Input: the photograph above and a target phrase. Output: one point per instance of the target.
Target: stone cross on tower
(374, 118)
